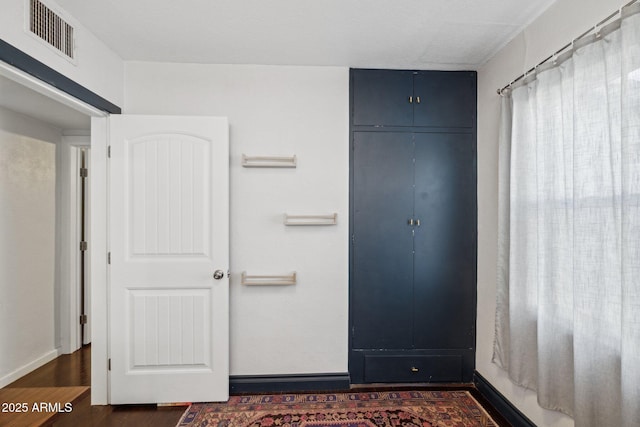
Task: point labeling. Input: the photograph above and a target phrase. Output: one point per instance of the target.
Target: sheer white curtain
(568, 308)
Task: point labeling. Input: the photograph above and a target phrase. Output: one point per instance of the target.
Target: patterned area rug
(371, 409)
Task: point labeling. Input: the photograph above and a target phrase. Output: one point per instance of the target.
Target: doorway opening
(76, 149)
(45, 141)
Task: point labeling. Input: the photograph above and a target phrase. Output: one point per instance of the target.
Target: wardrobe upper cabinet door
(446, 99)
(382, 97)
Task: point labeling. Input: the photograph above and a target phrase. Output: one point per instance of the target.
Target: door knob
(218, 274)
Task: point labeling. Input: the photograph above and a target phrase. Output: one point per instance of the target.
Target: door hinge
(83, 246)
(83, 319)
(108, 257)
(84, 172)
(109, 151)
(353, 238)
(109, 364)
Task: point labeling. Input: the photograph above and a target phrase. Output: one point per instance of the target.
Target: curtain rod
(555, 54)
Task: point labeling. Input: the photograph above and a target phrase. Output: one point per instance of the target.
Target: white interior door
(87, 264)
(82, 203)
(169, 234)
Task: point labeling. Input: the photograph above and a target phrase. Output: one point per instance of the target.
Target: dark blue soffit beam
(17, 58)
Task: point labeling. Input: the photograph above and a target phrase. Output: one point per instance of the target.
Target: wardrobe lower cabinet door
(445, 241)
(382, 269)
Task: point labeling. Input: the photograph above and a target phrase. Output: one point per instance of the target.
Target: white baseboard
(29, 367)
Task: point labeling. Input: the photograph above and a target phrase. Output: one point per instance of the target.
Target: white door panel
(169, 199)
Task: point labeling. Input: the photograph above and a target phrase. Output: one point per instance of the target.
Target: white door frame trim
(98, 262)
(27, 80)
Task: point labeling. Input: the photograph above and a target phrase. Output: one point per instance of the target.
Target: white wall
(563, 21)
(27, 238)
(274, 110)
(97, 67)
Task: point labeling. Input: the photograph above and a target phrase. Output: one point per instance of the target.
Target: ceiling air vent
(50, 27)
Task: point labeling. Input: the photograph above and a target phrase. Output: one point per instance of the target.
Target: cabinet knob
(417, 100)
(414, 369)
(411, 100)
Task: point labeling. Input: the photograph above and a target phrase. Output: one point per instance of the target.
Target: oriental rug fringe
(370, 409)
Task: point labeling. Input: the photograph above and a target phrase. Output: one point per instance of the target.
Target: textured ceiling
(445, 34)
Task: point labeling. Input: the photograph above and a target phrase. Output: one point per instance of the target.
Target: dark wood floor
(75, 370)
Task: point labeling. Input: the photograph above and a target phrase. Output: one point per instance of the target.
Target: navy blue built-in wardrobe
(413, 226)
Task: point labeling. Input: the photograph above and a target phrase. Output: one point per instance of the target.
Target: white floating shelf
(269, 162)
(266, 280)
(331, 219)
